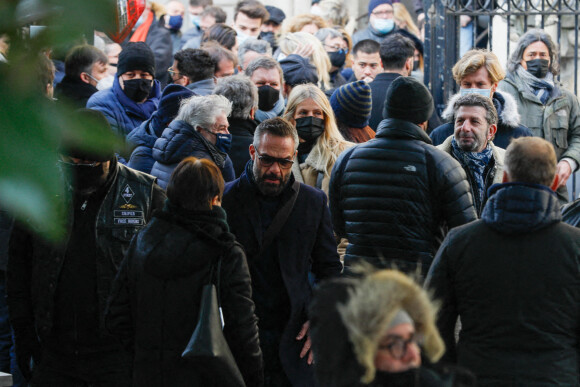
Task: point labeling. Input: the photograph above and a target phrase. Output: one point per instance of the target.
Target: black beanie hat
(136, 56)
(408, 99)
(298, 70)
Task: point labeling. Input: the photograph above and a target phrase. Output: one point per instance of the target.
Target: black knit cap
(298, 70)
(136, 56)
(408, 99)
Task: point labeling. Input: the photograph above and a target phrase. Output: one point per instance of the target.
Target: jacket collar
(504, 103)
(396, 128)
(515, 208)
(203, 87)
(386, 77)
(241, 126)
(143, 110)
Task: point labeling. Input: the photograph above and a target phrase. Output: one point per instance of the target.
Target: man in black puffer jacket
(393, 196)
(513, 278)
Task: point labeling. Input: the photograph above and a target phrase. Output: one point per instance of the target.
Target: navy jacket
(513, 278)
(242, 137)
(143, 138)
(394, 196)
(305, 244)
(508, 126)
(181, 140)
(123, 114)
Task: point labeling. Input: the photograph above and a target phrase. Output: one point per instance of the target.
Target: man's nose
(275, 168)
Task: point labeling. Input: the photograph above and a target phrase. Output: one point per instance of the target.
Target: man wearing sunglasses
(286, 231)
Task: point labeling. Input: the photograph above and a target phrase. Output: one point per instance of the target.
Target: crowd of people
(357, 237)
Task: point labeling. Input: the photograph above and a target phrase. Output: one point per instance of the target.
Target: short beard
(269, 189)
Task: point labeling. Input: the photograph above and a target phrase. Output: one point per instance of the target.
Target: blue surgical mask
(485, 92)
(175, 22)
(195, 19)
(223, 142)
(384, 26)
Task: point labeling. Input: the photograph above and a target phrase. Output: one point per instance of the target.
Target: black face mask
(87, 179)
(538, 67)
(416, 65)
(309, 128)
(267, 97)
(268, 37)
(137, 89)
(337, 58)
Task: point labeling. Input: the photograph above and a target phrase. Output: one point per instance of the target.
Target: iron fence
(496, 25)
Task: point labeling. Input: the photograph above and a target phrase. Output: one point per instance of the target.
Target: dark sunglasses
(268, 161)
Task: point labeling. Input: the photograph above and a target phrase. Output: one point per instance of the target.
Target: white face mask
(241, 37)
(106, 82)
(485, 92)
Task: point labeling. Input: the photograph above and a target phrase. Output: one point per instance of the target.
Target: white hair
(203, 110)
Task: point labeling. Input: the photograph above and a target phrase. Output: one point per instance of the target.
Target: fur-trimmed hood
(373, 302)
(505, 104)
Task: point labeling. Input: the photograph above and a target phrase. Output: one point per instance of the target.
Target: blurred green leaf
(32, 126)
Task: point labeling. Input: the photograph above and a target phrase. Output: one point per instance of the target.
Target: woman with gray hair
(243, 95)
(199, 130)
(548, 109)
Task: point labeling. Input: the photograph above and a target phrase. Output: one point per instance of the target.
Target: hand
(563, 170)
(464, 20)
(304, 51)
(304, 333)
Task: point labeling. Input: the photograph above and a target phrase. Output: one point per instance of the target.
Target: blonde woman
(292, 43)
(305, 22)
(403, 19)
(321, 143)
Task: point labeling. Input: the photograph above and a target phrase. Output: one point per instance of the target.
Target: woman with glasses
(373, 330)
(155, 301)
(321, 143)
(337, 50)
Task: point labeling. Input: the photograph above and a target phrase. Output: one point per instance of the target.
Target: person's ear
(252, 152)
(493, 89)
(409, 66)
(253, 112)
(505, 178)
(555, 183)
(423, 125)
(85, 78)
(491, 132)
(216, 201)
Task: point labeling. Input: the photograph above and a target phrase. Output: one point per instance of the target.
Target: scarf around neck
(476, 162)
(542, 88)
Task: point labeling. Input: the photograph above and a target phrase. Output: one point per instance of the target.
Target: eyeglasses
(172, 72)
(383, 13)
(398, 346)
(337, 49)
(268, 161)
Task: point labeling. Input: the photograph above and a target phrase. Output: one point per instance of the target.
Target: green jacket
(558, 121)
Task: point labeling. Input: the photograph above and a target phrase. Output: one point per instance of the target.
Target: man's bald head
(530, 160)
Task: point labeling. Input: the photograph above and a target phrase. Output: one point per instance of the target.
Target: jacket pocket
(121, 239)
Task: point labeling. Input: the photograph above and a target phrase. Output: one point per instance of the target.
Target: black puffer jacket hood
(517, 208)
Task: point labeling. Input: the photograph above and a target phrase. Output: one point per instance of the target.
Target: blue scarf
(542, 88)
(476, 162)
(276, 111)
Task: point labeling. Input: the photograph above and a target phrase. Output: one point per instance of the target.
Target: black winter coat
(304, 245)
(74, 92)
(242, 136)
(155, 301)
(513, 278)
(393, 196)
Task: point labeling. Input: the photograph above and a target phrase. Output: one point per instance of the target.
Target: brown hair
(252, 9)
(473, 60)
(194, 183)
(530, 160)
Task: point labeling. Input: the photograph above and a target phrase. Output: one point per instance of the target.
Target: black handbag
(208, 346)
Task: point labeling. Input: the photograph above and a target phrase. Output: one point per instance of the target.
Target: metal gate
(496, 25)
